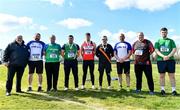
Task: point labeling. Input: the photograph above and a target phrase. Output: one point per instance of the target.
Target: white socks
(162, 88)
(39, 85)
(173, 89)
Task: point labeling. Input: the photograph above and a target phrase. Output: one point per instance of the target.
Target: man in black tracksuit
(70, 53)
(15, 57)
(104, 52)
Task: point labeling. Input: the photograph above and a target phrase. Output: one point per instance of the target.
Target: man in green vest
(165, 49)
(70, 52)
(52, 53)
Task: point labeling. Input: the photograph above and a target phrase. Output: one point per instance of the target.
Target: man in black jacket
(104, 52)
(15, 58)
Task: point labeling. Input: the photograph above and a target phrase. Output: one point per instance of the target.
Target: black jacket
(16, 55)
(108, 49)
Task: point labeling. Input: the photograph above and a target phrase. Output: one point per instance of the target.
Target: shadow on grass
(75, 96)
(103, 94)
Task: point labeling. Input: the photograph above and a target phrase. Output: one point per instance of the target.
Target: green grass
(89, 99)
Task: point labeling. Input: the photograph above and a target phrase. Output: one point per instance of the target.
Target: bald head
(53, 38)
(19, 39)
(140, 36)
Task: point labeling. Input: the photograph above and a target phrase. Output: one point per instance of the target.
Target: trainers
(48, 90)
(174, 93)
(137, 91)
(76, 88)
(109, 87)
(151, 93)
(29, 89)
(100, 87)
(8, 94)
(39, 89)
(65, 88)
(82, 87)
(54, 90)
(163, 92)
(20, 91)
(93, 87)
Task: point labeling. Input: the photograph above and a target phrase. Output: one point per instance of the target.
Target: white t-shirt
(122, 49)
(36, 50)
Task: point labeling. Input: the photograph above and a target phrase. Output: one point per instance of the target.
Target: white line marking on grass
(72, 102)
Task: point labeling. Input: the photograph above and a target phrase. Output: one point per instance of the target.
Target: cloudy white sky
(99, 17)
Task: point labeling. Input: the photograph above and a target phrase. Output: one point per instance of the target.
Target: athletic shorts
(166, 66)
(125, 66)
(35, 65)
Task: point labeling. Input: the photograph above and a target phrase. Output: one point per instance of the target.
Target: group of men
(17, 55)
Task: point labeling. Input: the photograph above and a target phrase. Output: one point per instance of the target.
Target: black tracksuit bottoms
(68, 65)
(11, 72)
(52, 74)
(86, 64)
(147, 69)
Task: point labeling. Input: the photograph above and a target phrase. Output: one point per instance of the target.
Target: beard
(37, 39)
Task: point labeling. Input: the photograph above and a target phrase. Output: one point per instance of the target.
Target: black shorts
(123, 66)
(166, 66)
(38, 65)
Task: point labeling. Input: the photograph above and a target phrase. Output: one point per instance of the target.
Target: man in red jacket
(88, 49)
(142, 50)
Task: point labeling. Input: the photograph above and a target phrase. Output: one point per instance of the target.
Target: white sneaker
(109, 87)
(100, 87)
(65, 88)
(93, 87)
(8, 94)
(82, 87)
(76, 88)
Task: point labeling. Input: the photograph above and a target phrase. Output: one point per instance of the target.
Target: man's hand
(121, 60)
(165, 58)
(6, 64)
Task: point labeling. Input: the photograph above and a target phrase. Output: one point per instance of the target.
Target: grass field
(89, 99)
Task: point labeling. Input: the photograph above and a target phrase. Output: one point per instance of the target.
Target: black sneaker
(151, 92)
(39, 89)
(19, 91)
(163, 92)
(29, 89)
(137, 91)
(174, 93)
(54, 90)
(48, 90)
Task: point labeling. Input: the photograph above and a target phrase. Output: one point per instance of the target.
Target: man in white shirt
(35, 61)
(122, 53)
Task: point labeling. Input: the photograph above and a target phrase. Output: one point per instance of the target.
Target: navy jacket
(16, 55)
